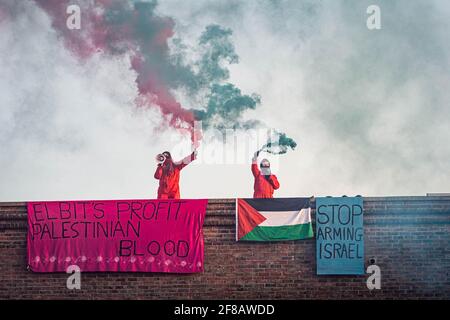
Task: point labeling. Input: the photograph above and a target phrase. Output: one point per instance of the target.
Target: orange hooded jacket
(264, 186)
(169, 177)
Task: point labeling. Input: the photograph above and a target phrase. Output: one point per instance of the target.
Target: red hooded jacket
(169, 178)
(264, 185)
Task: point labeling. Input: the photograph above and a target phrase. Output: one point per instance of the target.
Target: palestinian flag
(273, 219)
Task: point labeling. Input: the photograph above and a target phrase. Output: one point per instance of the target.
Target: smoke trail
(120, 27)
(116, 27)
(278, 143)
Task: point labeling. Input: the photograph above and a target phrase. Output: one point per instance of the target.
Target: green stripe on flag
(280, 233)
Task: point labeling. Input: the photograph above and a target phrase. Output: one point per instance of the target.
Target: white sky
(369, 109)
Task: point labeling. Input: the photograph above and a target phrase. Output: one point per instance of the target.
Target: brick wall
(408, 236)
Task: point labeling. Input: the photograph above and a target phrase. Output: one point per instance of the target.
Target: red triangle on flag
(248, 218)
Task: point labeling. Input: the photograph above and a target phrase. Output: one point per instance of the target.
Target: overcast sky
(370, 109)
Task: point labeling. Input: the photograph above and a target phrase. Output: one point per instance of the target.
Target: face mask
(265, 171)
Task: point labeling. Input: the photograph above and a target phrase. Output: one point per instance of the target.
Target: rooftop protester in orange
(265, 181)
(168, 174)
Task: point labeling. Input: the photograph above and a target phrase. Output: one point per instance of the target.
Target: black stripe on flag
(279, 204)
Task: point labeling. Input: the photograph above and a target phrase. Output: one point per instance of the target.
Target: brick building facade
(408, 237)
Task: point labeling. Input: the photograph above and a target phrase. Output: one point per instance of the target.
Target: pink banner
(120, 236)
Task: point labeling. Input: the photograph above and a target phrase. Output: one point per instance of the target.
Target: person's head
(167, 158)
(265, 166)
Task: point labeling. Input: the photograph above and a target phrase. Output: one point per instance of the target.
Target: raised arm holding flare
(168, 174)
(265, 181)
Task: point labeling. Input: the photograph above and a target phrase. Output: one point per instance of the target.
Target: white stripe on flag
(285, 218)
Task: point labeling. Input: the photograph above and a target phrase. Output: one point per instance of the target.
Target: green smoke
(217, 50)
(279, 143)
(226, 104)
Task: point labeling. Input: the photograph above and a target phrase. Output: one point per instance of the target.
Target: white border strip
(285, 218)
